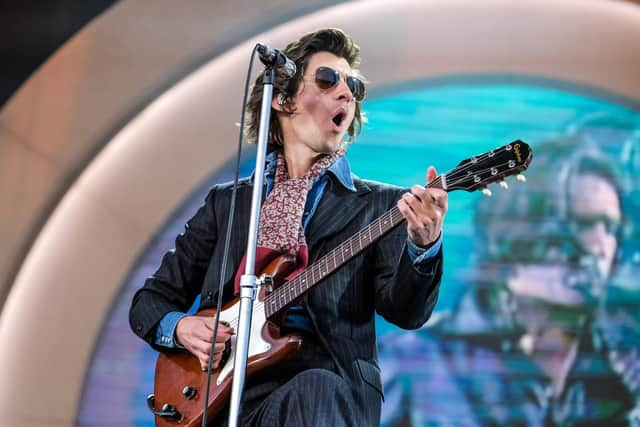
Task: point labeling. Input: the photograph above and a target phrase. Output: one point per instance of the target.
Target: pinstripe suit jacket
(341, 308)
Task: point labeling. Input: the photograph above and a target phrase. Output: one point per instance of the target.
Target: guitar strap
(280, 229)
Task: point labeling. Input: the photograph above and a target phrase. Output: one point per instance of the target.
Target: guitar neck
(470, 174)
(323, 267)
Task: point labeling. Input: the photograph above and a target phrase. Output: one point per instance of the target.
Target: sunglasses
(587, 223)
(327, 78)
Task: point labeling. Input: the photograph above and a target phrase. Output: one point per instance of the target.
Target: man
(528, 344)
(334, 379)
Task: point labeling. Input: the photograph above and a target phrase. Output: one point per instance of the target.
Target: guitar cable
(227, 242)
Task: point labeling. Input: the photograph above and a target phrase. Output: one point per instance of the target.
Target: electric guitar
(179, 381)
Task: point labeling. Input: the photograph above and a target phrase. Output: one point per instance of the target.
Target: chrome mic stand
(248, 281)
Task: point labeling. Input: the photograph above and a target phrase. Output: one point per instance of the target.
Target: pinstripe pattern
(341, 309)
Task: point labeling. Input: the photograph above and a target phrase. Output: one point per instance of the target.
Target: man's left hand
(424, 210)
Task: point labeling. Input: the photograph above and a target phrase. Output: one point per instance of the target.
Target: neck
(299, 159)
(554, 351)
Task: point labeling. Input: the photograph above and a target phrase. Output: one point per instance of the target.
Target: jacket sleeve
(178, 281)
(404, 294)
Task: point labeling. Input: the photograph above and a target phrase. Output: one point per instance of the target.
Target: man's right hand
(195, 333)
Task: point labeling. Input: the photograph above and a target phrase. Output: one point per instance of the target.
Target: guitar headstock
(478, 171)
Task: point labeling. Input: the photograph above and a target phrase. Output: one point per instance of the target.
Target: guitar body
(177, 370)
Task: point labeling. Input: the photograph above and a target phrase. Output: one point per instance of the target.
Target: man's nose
(595, 238)
(343, 91)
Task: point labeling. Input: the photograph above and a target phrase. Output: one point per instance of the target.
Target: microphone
(271, 56)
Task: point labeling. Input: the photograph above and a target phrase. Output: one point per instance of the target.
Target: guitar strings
(320, 266)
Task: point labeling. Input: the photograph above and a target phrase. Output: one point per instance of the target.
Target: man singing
(314, 203)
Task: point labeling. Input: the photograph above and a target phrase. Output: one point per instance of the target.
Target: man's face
(322, 116)
(594, 217)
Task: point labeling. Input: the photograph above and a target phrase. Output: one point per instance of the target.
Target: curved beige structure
(99, 146)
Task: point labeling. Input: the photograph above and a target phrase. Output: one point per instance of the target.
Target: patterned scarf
(280, 230)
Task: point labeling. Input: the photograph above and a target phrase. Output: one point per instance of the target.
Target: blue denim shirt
(296, 318)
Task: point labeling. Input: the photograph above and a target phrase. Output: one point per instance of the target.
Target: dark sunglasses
(586, 223)
(326, 78)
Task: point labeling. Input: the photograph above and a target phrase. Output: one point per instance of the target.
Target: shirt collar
(340, 169)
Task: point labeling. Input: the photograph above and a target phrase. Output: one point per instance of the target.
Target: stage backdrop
(430, 375)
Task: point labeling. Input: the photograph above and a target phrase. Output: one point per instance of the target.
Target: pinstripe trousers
(304, 391)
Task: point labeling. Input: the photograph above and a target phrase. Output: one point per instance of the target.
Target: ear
(275, 105)
(278, 103)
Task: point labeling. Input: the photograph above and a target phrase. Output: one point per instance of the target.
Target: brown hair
(330, 40)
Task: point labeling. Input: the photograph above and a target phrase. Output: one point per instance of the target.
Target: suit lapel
(240, 231)
(336, 209)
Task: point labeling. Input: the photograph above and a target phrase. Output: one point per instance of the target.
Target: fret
(272, 307)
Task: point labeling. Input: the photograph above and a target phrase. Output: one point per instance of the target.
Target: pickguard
(257, 344)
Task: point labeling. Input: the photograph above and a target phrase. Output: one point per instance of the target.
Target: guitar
(179, 382)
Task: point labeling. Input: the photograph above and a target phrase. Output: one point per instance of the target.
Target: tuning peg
(504, 185)
(486, 192)
(521, 178)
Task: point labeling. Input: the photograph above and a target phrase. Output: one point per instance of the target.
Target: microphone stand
(248, 281)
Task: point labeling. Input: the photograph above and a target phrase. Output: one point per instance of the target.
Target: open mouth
(339, 117)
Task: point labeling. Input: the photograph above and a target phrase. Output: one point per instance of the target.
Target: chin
(331, 145)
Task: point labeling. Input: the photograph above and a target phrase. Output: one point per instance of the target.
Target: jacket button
(139, 328)
(209, 295)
